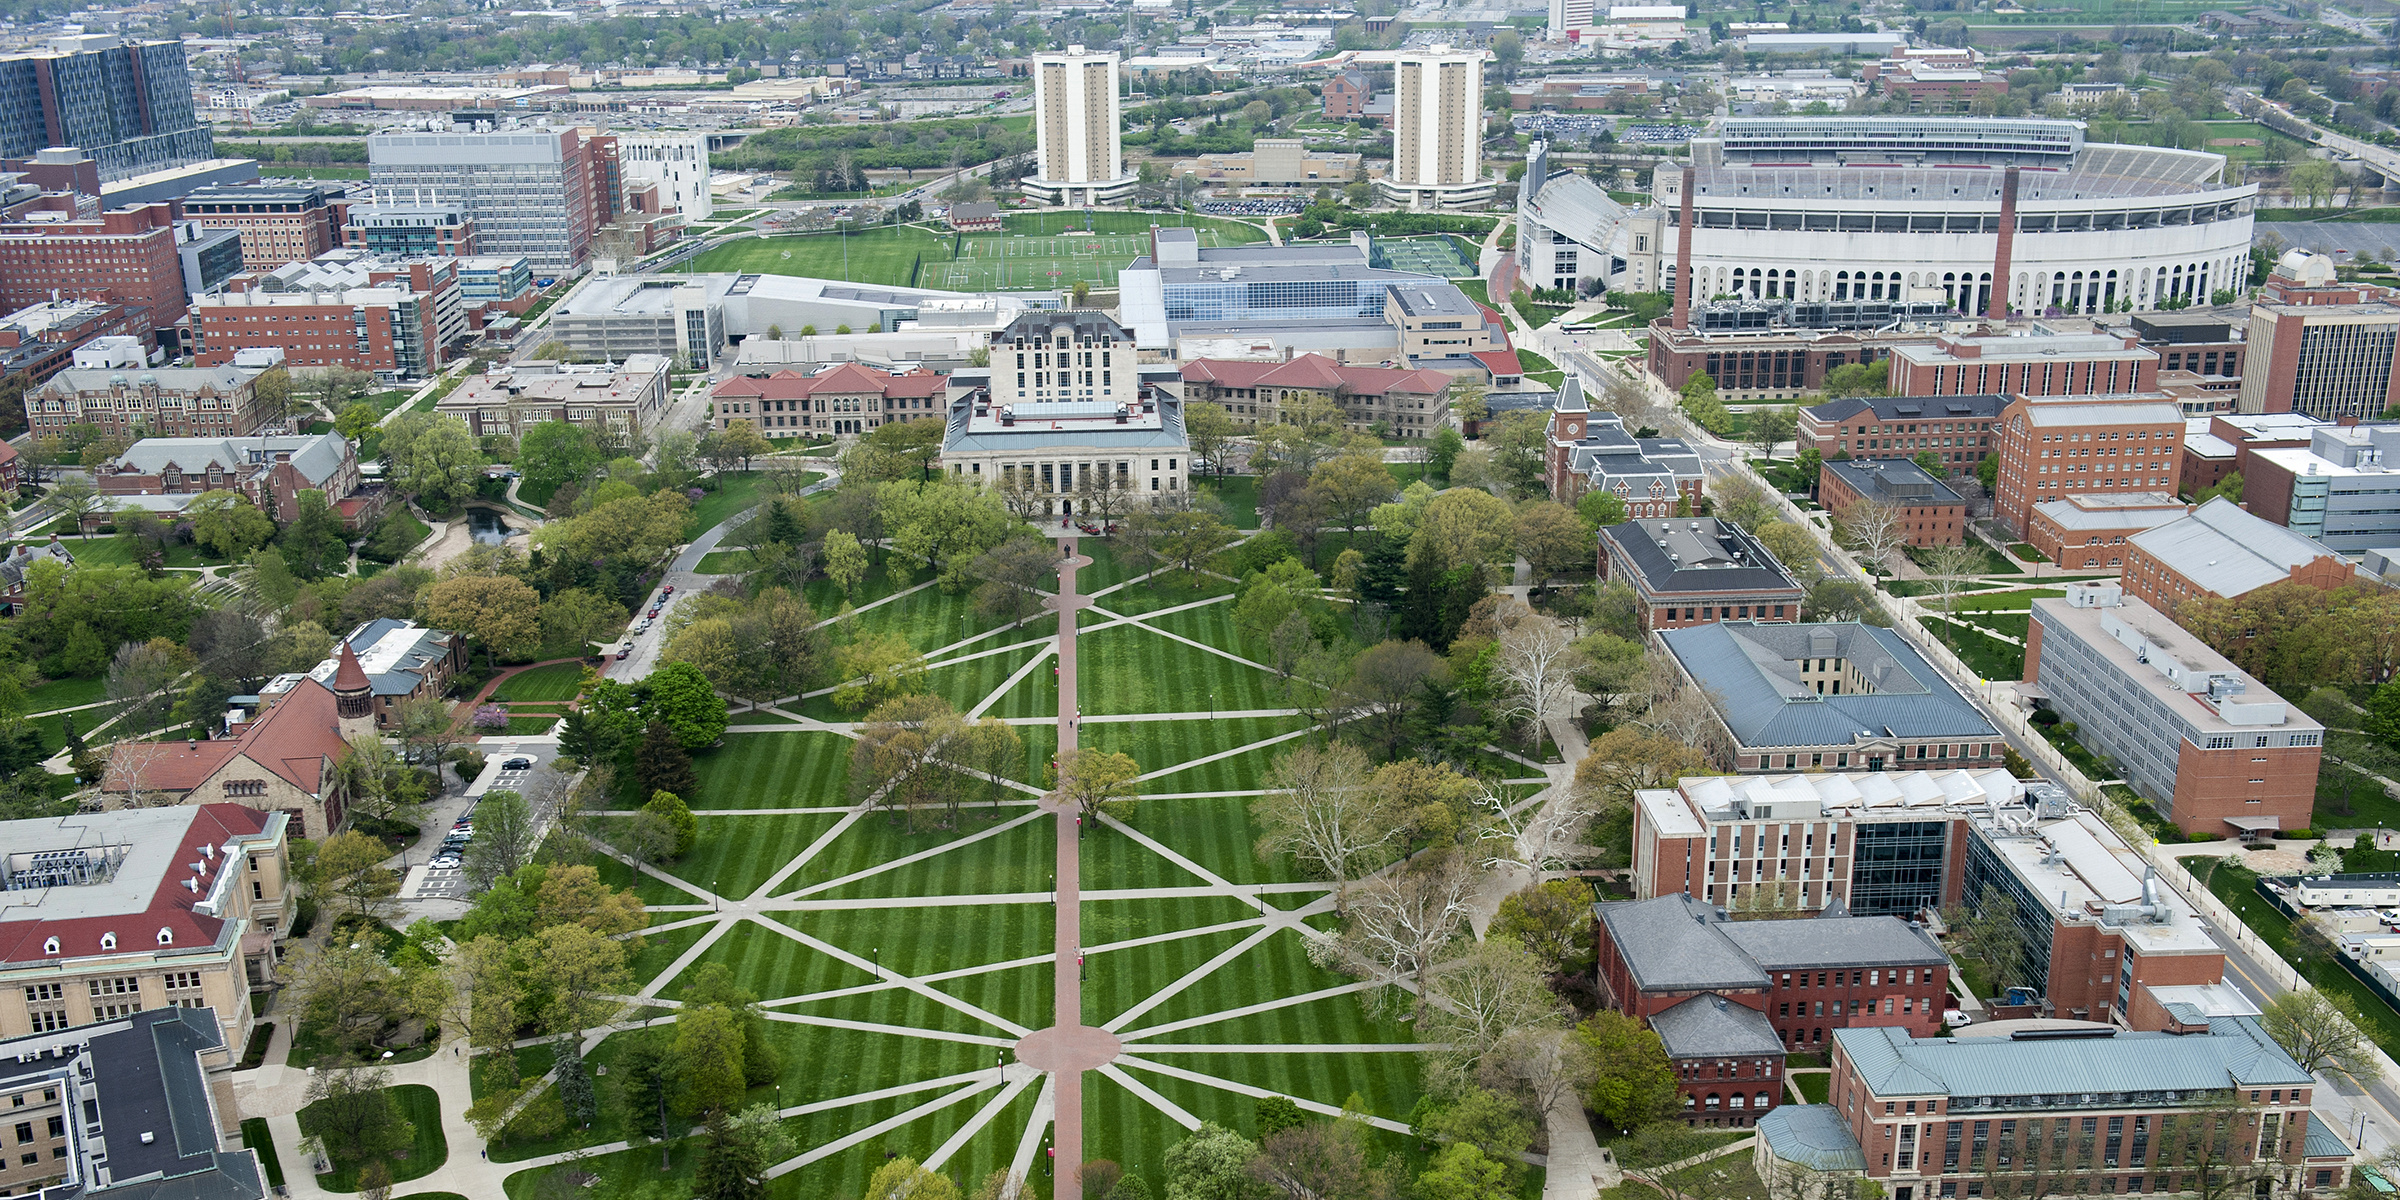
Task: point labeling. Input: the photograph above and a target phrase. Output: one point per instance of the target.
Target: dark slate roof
(1836, 942)
(150, 1081)
(1894, 481)
(1750, 670)
(1912, 408)
(1812, 1136)
(1700, 554)
(2234, 1053)
(1714, 1027)
(1676, 944)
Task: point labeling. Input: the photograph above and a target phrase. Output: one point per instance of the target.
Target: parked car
(444, 861)
(622, 652)
(670, 590)
(1955, 1019)
(517, 764)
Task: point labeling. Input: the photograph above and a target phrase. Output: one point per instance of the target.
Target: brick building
(622, 400)
(396, 323)
(2203, 341)
(2320, 346)
(163, 474)
(2100, 931)
(2221, 550)
(2211, 747)
(1691, 571)
(1764, 364)
(2055, 447)
(401, 661)
(1932, 514)
(127, 256)
(2089, 531)
(849, 398)
(40, 340)
(282, 762)
(2087, 1112)
(2068, 364)
(1346, 96)
(2218, 446)
(280, 223)
(1804, 977)
(1409, 403)
(1592, 451)
(1821, 697)
(120, 932)
(170, 401)
(1959, 428)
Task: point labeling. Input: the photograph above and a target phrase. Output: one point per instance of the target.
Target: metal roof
(1912, 408)
(1835, 942)
(2234, 1053)
(1750, 670)
(1812, 1136)
(1700, 554)
(2226, 550)
(1675, 944)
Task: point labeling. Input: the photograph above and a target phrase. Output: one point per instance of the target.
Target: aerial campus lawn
(1038, 252)
(899, 967)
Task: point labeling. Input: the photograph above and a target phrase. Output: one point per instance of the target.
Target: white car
(1956, 1019)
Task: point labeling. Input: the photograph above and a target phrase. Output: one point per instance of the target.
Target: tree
(845, 560)
(141, 683)
(433, 458)
(1950, 570)
(574, 618)
(582, 968)
(1857, 379)
(1635, 1082)
(1312, 1161)
(1770, 427)
(708, 1054)
(573, 1079)
(346, 990)
(1463, 1172)
(1553, 921)
(351, 1114)
(2320, 1030)
(349, 867)
(1554, 540)
(75, 496)
(677, 817)
(1402, 921)
(552, 454)
(1013, 573)
(875, 667)
(1386, 685)
(356, 419)
(503, 838)
(315, 544)
(896, 761)
(736, 1152)
(1840, 600)
(1096, 780)
(1351, 485)
(1791, 545)
(1462, 526)
(1211, 1164)
(1319, 809)
(227, 524)
(903, 1179)
(500, 612)
(1876, 529)
(1185, 539)
(1544, 1065)
(1536, 667)
(1209, 428)
(1520, 447)
(1493, 989)
(1468, 403)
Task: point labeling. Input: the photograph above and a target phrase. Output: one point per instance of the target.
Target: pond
(486, 527)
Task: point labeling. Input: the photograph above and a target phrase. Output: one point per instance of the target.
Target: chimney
(2008, 241)
(1683, 252)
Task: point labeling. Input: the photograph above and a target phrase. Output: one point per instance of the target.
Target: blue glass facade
(1269, 300)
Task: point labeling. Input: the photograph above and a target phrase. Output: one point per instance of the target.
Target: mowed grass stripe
(774, 770)
(902, 1007)
(1164, 590)
(1124, 1128)
(1036, 695)
(1130, 670)
(1334, 1020)
(1159, 745)
(1106, 921)
(1218, 834)
(926, 941)
(1111, 861)
(772, 965)
(1213, 624)
(847, 1173)
(821, 1063)
(660, 950)
(1276, 967)
(963, 684)
(736, 855)
(1124, 978)
(1017, 860)
(557, 681)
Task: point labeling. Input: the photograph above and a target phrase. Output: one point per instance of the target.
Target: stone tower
(353, 695)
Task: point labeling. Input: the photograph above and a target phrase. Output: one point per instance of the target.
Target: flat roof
(2145, 669)
(2080, 868)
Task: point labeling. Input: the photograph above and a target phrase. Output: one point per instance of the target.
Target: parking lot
(424, 879)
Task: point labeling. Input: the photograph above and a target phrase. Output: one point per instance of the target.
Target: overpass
(2381, 162)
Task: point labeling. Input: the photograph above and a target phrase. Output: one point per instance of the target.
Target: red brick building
(791, 404)
(396, 326)
(2229, 439)
(2090, 531)
(2222, 550)
(1958, 428)
(2053, 447)
(1933, 514)
(271, 471)
(280, 223)
(1346, 96)
(2343, 331)
(163, 402)
(1768, 364)
(1591, 451)
(2073, 364)
(1692, 571)
(126, 257)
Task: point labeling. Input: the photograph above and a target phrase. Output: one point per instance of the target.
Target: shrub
(491, 716)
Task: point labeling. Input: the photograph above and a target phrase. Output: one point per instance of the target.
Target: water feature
(486, 527)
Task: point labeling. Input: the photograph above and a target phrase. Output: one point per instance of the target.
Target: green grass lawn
(1037, 252)
(2238, 888)
(55, 694)
(725, 562)
(1239, 495)
(1133, 670)
(736, 492)
(255, 1136)
(557, 681)
(423, 1109)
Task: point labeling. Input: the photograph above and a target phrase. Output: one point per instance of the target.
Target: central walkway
(1069, 1047)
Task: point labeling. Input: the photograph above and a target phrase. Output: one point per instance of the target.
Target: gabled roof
(315, 456)
(1755, 686)
(295, 739)
(1499, 362)
(1676, 943)
(1695, 554)
(2225, 549)
(782, 385)
(2234, 1053)
(1711, 1026)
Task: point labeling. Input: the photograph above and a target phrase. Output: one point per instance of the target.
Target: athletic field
(1039, 252)
(1008, 263)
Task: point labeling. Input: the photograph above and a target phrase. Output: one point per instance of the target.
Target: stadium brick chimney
(1998, 310)
(1683, 253)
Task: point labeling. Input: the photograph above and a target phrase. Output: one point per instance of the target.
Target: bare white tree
(130, 771)
(1543, 836)
(1876, 529)
(1950, 570)
(1492, 990)
(1545, 1065)
(1321, 811)
(1538, 659)
(1400, 923)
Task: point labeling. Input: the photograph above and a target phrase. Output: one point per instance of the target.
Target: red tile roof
(169, 904)
(295, 740)
(1312, 371)
(1500, 362)
(782, 385)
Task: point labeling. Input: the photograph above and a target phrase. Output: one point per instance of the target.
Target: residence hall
(2104, 939)
(141, 909)
(1591, 451)
(1410, 403)
(163, 475)
(2091, 531)
(1803, 977)
(1694, 570)
(2222, 550)
(2203, 741)
(1929, 512)
(282, 761)
(124, 1109)
(2087, 1111)
(2053, 447)
(1829, 697)
(1959, 428)
(177, 402)
(2025, 364)
(849, 398)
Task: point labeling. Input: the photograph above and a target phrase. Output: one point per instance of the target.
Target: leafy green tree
(315, 545)
(227, 524)
(1636, 1083)
(1462, 1172)
(355, 420)
(433, 458)
(1443, 452)
(736, 1150)
(574, 1081)
(669, 807)
(552, 454)
(351, 1114)
(1600, 509)
(708, 1052)
(1858, 379)
(678, 695)
(661, 765)
(1209, 1165)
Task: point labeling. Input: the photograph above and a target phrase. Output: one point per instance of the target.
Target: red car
(670, 590)
(622, 653)
(654, 614)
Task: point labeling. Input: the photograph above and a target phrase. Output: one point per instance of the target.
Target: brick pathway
(1069, 1047)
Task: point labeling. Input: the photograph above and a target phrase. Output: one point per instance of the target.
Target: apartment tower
(1080, 156)
(1437, 129)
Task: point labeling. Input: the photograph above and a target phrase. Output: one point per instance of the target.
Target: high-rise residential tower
(541, 193)
(128, 105)
(1079, 155)
(1437, 129)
